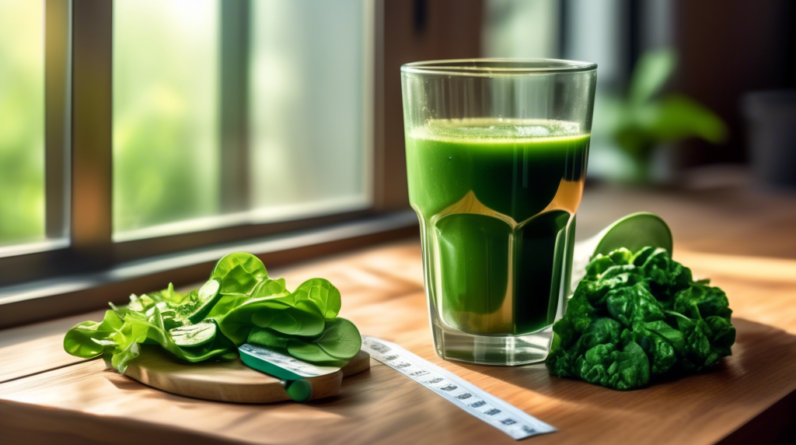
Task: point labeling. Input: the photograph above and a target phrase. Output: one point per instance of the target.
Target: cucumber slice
(205, 299)
(194, 334)
(170, 319)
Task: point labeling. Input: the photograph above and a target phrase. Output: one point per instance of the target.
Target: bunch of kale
(639, 317)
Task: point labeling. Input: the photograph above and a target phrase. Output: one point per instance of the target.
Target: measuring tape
(280, 365)
(475, 401)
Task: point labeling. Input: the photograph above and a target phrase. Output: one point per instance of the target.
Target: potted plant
(645, 119)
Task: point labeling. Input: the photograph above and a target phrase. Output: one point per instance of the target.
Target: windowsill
(34, 247)
(258, 216)
(44, 299)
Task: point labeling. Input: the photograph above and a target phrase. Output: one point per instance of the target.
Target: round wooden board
(230, 381)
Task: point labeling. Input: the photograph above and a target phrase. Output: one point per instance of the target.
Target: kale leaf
(640, 317)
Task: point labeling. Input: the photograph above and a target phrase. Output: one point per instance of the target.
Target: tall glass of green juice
(496, 155)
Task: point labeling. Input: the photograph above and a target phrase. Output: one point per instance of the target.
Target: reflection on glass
(307, 93)
(165, 111)
(21, 121)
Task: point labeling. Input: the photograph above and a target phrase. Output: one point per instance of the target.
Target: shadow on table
(762, 364)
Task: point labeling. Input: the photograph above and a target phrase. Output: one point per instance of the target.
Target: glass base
(498, 350)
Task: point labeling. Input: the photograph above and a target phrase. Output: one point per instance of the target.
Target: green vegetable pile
(637, 318)
(238, 304)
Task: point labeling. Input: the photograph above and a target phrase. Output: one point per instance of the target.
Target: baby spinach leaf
(90, 339)
(239, 272)
(722, 331)
(701, 301)
(270, 288)
(636, 317)
(633, 303)
(140, 328)
(630, 368)
(321, 292)
(621, 256)
(582, 313)
(593, 365)
(598, 265)
(340, 340)
(602, 330)
(665, 276)
(267, 338)
(668, 333)
(302, 319)
(264, 289)
(239, 303)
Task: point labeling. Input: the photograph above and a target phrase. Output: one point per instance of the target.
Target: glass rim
(493, 67)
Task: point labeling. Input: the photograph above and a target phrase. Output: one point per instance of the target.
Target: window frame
(78, 166)
(92, 270)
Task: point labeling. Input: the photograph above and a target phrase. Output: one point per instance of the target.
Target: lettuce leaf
(243, 304)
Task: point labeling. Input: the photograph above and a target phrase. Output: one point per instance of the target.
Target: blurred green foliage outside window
(165, 111)
(309, 89)
(21, 121)
(307, 85)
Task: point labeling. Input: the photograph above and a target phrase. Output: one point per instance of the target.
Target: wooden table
(744, 241)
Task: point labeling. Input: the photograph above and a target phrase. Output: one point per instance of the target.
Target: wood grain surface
(750, 253)
(31, 349)
(229, 381)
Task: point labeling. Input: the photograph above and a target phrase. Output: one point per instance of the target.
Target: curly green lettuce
(637, 318)
(238, 304)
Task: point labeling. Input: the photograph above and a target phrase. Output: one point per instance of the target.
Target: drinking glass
(496, 154)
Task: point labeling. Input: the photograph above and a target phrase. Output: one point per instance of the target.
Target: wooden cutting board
(230, 381)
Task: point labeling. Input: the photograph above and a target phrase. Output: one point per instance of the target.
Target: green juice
(496, 200)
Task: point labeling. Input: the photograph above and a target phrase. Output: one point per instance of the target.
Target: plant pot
(771, 136)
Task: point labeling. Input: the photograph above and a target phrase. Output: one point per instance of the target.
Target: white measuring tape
(486, 407)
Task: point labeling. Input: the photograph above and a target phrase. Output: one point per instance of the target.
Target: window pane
(523, 29)
(165, 112)
(308, 86)
(21, 121)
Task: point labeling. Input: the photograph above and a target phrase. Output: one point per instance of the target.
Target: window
(22, 208)
(194, 122)
(34, 128)
(309, 140)
(521, 28)
(166, 85)
(186, 73)
(611, 33)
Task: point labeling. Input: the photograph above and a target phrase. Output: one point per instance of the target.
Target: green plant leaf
(90, 339)
(676, 117)
(141, 328)
(266, 289)
(303, 319)
(340, 340)
(267, 338)
(650, 74)
(321, 292)
(636, 317)
(239, 273)
(209, 323)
